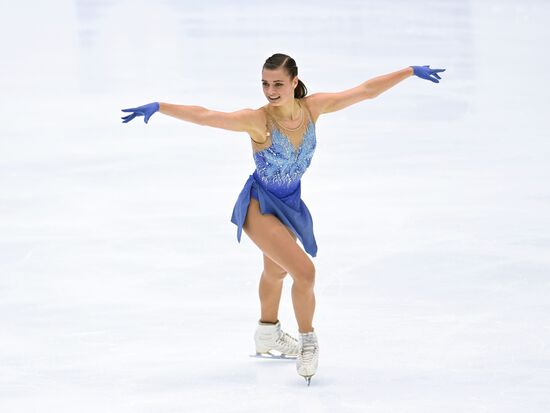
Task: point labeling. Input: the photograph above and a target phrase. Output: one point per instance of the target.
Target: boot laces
(309, 348)
(286, 341)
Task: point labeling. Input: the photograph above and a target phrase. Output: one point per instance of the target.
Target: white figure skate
(273, 343)
(308, 356)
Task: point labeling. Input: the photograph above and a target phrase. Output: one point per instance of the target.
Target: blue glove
(426, 73)
(146, 110)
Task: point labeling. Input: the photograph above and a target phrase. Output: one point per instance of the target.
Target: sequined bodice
(280, 166)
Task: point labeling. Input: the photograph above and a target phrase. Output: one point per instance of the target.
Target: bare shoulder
(258, 125)
(315, 104)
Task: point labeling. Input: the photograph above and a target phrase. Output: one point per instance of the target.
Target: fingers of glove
(436, 75)
(128, 118)
(438, 70)
(433, 80)
(129, 109)
(137, 113)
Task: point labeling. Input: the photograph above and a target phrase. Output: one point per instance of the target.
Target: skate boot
(308, 356)
(269, 337)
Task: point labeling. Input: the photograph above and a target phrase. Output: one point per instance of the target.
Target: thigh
(276, 240)
(271, 267)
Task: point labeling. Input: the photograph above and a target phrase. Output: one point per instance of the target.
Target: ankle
(268, 322)
(306, 331)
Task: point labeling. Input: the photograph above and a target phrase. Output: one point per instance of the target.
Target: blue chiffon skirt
(290, 210)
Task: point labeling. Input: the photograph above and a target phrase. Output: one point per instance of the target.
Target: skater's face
(277, 83)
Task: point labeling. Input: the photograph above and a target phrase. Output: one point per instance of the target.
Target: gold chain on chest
(302, 117)
(293, 134)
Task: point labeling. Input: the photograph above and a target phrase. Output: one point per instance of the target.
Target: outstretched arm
(241, 120)
(331, 102)
(188, 113)
(377, 85)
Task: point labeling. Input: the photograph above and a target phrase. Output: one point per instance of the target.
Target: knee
(274, 275)
(304, 275)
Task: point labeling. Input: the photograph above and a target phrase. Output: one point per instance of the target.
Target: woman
(269, 208)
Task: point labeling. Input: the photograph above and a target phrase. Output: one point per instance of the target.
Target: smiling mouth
(270, 98)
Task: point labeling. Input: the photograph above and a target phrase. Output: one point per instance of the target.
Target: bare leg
(280, 247)
(303, 299)
(270, 297)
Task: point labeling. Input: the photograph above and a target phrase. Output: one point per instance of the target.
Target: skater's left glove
(426, 73)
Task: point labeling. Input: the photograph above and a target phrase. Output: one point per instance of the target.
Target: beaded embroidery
(281, 165)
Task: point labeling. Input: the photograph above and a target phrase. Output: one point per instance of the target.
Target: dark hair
(286, 62)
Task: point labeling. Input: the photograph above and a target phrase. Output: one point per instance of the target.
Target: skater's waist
(281, 188)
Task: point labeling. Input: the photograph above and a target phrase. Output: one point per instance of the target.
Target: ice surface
(122, 285)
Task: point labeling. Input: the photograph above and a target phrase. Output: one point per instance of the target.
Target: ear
(295, 82)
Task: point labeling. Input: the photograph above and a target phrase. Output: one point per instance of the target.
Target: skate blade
(308, 379)
(273, 356)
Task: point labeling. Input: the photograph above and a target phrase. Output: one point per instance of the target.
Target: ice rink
(122, 285)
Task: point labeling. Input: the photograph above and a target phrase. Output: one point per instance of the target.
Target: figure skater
(269, 208)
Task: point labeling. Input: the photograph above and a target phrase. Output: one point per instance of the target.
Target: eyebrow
(263, 80)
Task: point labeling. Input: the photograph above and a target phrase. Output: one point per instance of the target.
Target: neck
(288, 111)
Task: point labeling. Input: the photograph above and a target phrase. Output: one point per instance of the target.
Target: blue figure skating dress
(280, 164)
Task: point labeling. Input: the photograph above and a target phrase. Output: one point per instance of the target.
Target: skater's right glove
(146, 110)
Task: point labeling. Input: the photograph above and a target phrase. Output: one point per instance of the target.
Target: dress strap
(266, 128)
(269, 119)
(305, 105)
